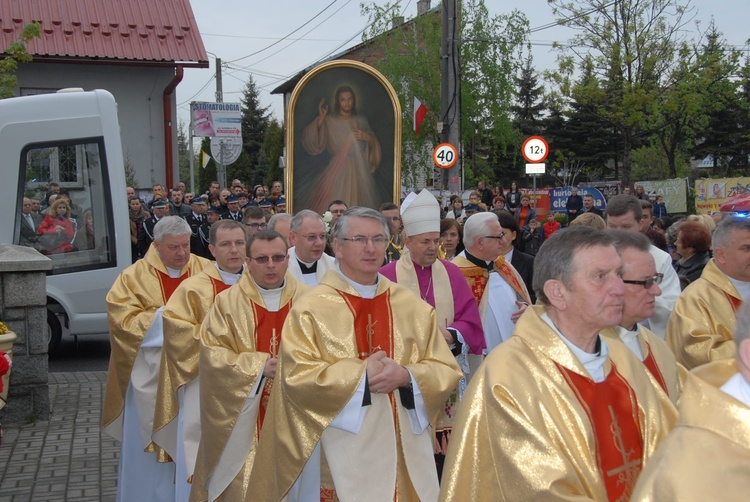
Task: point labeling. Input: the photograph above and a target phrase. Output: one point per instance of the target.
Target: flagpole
(191, 152)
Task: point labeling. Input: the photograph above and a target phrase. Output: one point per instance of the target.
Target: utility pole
(450, 88)
(220, 99)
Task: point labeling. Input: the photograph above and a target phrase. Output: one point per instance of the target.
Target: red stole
(612, 410)
(653, 368)
(506, 272)
(735, 302)
(477, 278)
(219, 286)
(267, 339)
(373, 323)
(169, 284)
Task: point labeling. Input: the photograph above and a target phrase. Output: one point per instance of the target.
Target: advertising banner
(674, 192)
(559, 196)
(216, 120)
(711, 193)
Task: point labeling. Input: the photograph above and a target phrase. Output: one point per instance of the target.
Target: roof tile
(156, 31)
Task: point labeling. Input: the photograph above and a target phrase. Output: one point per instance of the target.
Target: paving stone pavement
(66, 457)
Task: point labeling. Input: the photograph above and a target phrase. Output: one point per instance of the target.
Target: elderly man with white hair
(308, 262)
(498, 288)
(134, 308)
(707, 454)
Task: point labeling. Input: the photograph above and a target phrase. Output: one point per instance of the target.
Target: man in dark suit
(30, 222)
(522, 262)
(146, 236)
(195, 219)
(233, 209)
(574, 204)
(588, 206)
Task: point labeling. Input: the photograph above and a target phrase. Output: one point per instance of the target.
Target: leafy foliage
(16, 53)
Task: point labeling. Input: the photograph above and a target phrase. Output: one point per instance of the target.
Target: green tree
(631, 46)
(254, 123)
(273, 149)
(529, 106)
(16, 53)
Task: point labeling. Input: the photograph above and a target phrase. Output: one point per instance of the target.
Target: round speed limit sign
(445, 155)
(535, 149)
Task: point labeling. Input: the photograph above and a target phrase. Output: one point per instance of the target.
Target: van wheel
(54, 332)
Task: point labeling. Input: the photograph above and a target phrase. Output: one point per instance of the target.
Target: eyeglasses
(257, 226)
(647, 283)
(312, 237)
(262, 260)
(360, 241)
(501, 236)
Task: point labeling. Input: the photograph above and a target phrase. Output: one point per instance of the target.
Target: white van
(71, 139)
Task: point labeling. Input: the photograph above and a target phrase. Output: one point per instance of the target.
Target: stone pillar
(23, 308)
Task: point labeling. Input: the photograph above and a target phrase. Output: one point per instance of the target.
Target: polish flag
(420, 111)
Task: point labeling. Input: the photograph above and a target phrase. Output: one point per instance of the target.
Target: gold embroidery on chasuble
(267, 334)
(612, 409)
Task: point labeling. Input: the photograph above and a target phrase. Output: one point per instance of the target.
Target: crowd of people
(422, 352)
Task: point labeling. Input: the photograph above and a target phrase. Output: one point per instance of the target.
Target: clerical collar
(593, 363)
(479, 263)
(271, 297)
(742, 287)
(630, 339)
(308, 269)
(174, 273)
(364, 290)
(738, 388)
(228, 277)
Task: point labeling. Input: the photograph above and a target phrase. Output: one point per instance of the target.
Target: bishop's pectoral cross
(628, 471)
(370, 334)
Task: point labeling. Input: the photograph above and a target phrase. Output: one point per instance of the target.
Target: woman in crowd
(525, 213)
(693, 245)
(498, 203)
(513, 199)
(451, 238)
(457, 212)
(57, 230)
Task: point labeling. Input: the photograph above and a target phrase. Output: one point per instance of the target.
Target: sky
(249, 37)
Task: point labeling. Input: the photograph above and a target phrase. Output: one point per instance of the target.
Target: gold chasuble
(533, 425)
(706, 457)
(479, 277)
(701, 327)
(237, 337)
(136, 295)
(658, 360)
(327, 336)
(183, 315)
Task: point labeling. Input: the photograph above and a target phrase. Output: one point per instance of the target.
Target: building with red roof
(135, 49)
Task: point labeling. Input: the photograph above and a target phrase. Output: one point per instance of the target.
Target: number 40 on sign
(445, 155)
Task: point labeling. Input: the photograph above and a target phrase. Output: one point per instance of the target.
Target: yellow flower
(3, 328)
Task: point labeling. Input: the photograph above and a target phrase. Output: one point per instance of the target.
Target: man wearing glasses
(254, 220)
(497, 286)
(641, 289)
(307, 235)
(363, 372)
(624, 212)
(558, 412)
(239, 344)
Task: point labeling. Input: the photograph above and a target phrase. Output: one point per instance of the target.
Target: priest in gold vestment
(701, 327)
(134, 307)
(364, 370)
(557, 412)
(239, 342)
(707, 454)
(641, 288)
(497, 286)
(177, 414)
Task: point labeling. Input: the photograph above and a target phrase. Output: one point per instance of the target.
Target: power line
(200, 91)
(561, 22)
(286, 36)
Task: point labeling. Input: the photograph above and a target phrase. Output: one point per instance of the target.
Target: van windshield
(64, 208)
